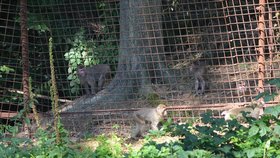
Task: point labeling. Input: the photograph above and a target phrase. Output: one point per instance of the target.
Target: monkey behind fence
(93, 78)
(238, 113)
(198, 69)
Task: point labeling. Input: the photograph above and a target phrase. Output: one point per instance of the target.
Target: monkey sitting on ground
(237, 113)
(198, 70)
(147, 117)
(93, 76)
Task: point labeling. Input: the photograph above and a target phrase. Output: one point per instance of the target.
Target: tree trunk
(141, 56)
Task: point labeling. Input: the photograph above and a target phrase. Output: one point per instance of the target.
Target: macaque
(147, 116)
(93, 78)
(241, 87)
(237, 113)
(198, 70)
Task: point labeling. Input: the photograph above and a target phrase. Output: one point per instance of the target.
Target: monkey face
(242, 87)
(161, 109)
(226, 115)
(82, 72)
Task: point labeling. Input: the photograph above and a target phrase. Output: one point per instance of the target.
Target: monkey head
(226, 115)
(242, 86)
(192, 67)
(81, 71)
(195, 65)
(161, 110)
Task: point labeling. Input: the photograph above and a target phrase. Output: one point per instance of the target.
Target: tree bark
(141, 56)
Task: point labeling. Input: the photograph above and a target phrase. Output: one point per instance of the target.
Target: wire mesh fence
(190, 55)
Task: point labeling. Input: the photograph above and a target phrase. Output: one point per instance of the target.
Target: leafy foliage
(100, 49)
(211, 137)
(153, 150)
(45, 146)
(87, 52)
(5, 69)
(231, 139)
(268, 96)
(80, 53)
(109, 146)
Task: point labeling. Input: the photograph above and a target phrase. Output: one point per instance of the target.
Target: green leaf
(71, 52)
(263, 129)
(276, 130)
(267, 144)
(273, 110)
(73, 90)
(226, 149)
(84, 54)
(27, 121)
(269, 97)
(275, 82)
(70, 77)
(73, 60)
(253, 131)
(77, 63)
(86, 62)
(251, 152)
(72, 83)
(261, 95)
(70, 69)
(6, 69)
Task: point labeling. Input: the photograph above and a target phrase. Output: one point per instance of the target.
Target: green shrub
(44, 147)
(109, 147)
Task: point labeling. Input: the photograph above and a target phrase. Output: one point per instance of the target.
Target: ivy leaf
(253, 131)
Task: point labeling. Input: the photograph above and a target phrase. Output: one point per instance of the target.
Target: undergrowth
(212, 137)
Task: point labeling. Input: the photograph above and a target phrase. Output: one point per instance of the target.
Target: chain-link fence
(191, 55)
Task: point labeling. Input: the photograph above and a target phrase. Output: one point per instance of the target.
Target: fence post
(261, 57)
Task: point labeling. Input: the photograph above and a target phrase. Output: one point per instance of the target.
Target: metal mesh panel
(149, 46)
